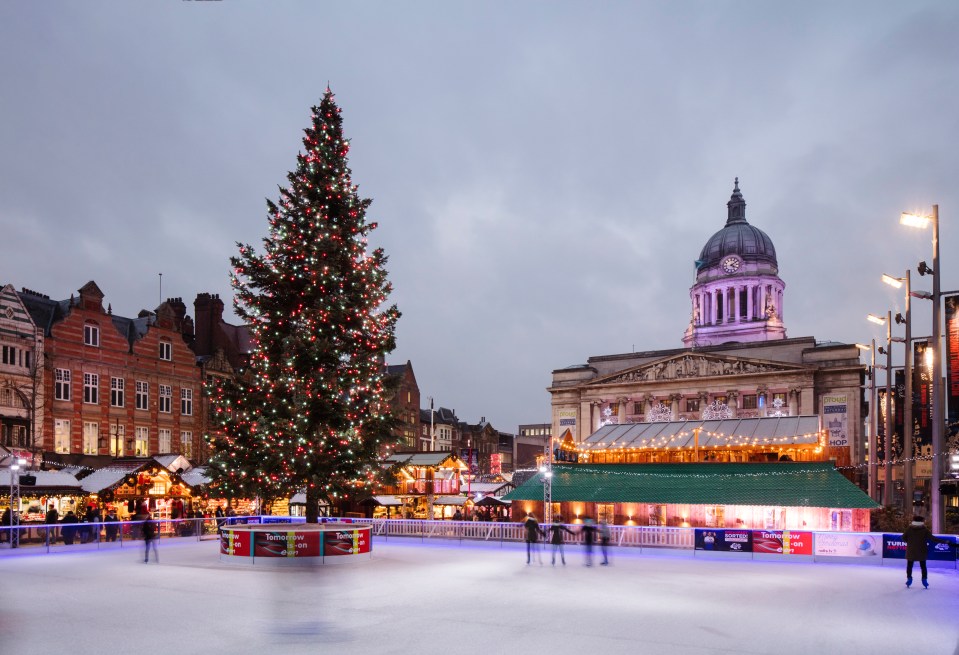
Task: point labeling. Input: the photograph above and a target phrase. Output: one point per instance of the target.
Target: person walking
(556, 530)
(532, 538)
(604, 537)
(150, 537)
(916, 536)
(589, 538)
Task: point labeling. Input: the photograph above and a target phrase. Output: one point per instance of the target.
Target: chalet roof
(778, 484)
(769, 430)
(436, 458)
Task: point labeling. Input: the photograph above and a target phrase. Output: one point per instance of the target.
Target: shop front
(759, 496)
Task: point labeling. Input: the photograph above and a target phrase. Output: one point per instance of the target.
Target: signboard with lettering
(952, 357)
(286, 544)
(893, 547)
(847, 544)
(235, 542)
(834, 416)
(346, 542)
(782, 542)
(736, 541)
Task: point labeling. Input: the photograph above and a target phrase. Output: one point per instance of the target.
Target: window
(186, 402)
(91, 388)
(692, 404)
(91, 432)
(117, 439)
(61, 390)
(142, 440)
(637, 408)
(117, 386)
(604, 512)
(749, 402)
(720, 400)
(715, 516)
(91, 334)
(166, 350)
(61, 435)
(165, 438)
(166, 401)
(186, 444)
(143, 395)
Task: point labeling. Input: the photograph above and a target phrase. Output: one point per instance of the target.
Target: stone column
(713, 311)
(621, 414)
(737, 290)
(674, 405)
(749, 303)
(794, 401)
(732, 402)
(762, 400)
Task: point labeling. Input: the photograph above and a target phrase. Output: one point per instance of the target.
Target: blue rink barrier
(786, 545)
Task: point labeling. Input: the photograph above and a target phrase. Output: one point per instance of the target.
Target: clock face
(731, 264)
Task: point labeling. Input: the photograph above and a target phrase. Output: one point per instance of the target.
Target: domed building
(738, 295)
(738, 393)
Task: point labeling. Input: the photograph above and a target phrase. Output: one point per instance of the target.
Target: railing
(60, 537)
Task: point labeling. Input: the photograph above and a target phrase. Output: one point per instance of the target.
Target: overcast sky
(544, 173)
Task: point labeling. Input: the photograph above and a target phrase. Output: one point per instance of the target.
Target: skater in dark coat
(556, 530)
(589, 538)
(916, 536)
(533, 532)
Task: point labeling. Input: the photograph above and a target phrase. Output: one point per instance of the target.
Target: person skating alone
(150, 537)
(556, 530)
(916, 536)
(604, 536)
(532, 538)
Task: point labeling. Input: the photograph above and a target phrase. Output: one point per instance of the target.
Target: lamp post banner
(834, 409)
(922, 397)
(952, 356)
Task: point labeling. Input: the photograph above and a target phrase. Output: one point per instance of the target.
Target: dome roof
(738, 238)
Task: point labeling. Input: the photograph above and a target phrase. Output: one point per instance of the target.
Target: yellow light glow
(892, 281)
(928, 355)
(876, 319)
(914, 220)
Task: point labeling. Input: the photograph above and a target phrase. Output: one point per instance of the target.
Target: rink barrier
(827, 547)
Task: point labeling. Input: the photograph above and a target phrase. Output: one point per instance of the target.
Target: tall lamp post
(938, 418)
(907, 426)
(873, 419)
(887, 456)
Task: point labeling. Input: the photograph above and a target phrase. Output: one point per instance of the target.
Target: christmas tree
(311, 410)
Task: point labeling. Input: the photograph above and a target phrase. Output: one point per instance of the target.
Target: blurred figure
(69, 529)
(556, 538)
(604, 537)
(532, 538)
(589, 538)
(112, 527)
(52, 518)
(917, 536)
(150, 538)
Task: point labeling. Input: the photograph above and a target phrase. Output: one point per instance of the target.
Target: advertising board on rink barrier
(782, 542)
(848, 544)
(893, 547)
(297, 542)
(724, 541)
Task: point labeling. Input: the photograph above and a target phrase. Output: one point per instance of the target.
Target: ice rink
(451, 598)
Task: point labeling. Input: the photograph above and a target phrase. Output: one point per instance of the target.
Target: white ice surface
(419, 598)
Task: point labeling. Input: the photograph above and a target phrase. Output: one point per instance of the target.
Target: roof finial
(736, 184)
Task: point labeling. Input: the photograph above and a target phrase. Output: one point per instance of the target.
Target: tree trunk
(312, 504)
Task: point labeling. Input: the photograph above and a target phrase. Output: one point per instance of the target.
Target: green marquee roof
(779, 484)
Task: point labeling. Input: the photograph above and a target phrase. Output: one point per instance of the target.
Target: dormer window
(166, 351)
(91, 335)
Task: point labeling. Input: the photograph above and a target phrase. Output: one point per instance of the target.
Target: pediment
(696, 365)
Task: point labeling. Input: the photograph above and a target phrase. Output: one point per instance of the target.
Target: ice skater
(150, 538)
(532, 538)
(556, 530)
(589, 538)
(916, 536)
(604, 536)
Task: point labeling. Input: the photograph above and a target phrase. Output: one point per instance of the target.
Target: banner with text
(893, 547)
(847, 544)
(782, 542)
(834, 410)
(736, 541)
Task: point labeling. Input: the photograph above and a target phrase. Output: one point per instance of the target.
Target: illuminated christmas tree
(312, 411)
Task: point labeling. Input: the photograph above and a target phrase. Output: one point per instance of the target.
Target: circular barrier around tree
(294, 544)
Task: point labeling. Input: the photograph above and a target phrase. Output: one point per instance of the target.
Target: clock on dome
(731, 264)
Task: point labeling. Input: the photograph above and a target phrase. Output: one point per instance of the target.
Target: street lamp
(938, 419)
(873, 419)
(887, 457)
(907, 427)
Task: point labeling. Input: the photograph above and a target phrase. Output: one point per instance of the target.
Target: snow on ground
(461, 598)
